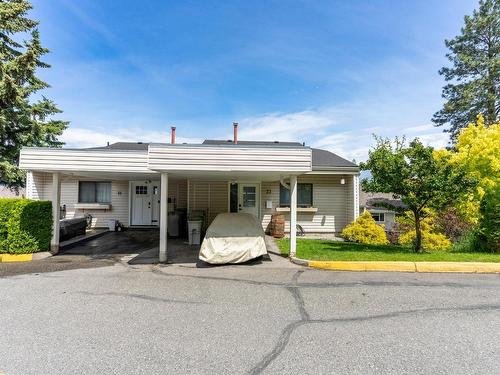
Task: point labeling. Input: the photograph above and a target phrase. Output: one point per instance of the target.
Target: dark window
(233, 198)
(94, 192)
(304, 196)
(378, 217)
(141, 190)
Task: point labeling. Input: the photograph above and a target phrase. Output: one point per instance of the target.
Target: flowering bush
(365, 230)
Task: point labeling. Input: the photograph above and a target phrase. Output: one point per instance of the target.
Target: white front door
(248, 199)
(142, 212)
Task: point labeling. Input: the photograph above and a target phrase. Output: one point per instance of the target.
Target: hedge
(25, 226)
(489, 223)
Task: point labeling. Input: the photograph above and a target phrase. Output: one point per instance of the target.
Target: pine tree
(24, 121)
(474, 79)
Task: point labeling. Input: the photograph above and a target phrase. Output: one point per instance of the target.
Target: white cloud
(321, 129)
(295, 126)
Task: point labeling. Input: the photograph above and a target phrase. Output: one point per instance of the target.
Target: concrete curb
(463, 267)
(42, 255)
(9, 258)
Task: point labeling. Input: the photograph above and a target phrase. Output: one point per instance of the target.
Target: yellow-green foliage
(478, 150)
(431, 239)
(365, 230)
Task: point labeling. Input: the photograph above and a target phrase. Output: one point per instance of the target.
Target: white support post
(56, 211)
(293, 215)
(163, 217)
(29, 184)
(355, 196)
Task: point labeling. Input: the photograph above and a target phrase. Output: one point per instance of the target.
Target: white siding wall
(177, 190)
(40, 186)
(228, 158)
(333, 201)
(210, 196)
(43, 159)
(42, 189)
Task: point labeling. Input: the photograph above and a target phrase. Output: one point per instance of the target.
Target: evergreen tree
(474, 79)
(24, 120)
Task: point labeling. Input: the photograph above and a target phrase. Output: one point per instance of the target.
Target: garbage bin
(173, 224)
(194, 231)
(112, 225)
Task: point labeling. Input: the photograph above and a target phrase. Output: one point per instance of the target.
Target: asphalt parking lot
(118, 318)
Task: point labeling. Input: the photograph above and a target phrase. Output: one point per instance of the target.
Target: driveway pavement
(258, 318)
(136, 246)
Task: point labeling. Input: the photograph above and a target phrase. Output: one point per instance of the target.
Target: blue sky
(328, 73)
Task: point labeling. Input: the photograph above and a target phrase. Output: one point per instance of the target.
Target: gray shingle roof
(320, 158)
(323, 158)
(253, 143)
(379, 200)
(125, 146)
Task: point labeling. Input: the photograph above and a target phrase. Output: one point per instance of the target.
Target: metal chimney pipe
(173, 135)
(235, 132)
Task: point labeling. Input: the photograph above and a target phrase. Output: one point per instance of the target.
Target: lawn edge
(400, 266)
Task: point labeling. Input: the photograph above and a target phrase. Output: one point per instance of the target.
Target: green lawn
(336, 250)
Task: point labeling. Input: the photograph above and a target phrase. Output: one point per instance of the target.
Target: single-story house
(139, 184)
(378, 204)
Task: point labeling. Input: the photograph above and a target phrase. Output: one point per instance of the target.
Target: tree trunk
(418, 233)
(491, 100)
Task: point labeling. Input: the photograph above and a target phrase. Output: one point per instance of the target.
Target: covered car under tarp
(233, 238)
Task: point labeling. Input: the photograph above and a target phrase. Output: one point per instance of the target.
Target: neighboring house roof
(320, 158)
(6, 192)
(372, 201)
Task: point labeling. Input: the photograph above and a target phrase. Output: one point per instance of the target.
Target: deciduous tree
(414, 175)
(477, 150)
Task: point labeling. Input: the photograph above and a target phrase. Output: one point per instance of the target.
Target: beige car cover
(233, 238)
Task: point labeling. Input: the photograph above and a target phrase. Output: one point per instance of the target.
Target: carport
(245, 165)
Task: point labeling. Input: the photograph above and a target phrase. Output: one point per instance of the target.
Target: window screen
(94, 192)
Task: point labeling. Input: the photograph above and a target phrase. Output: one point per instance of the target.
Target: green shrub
(471, 241)
(25, 226)
(365, 230)
(489, 222)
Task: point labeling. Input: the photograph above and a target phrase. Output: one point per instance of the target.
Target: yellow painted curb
(6, 258)
(363, 266)
(468, 267)
(464, 267)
